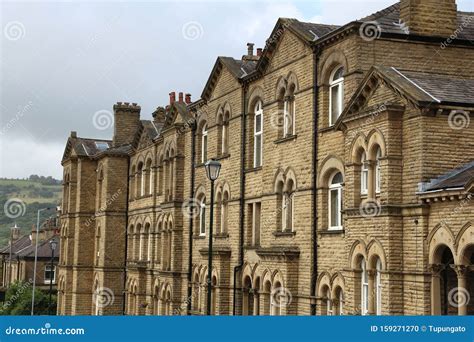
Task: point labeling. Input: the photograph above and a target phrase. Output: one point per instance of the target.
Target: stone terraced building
(346, 184)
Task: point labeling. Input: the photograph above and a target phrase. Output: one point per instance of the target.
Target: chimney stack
(126, 122)
(187, 98)
(250, 56)
(429, 17)
(180, 97)
(259, 52)
(250, 49)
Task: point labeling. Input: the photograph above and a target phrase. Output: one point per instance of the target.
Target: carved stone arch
(358, 250)
(337, 281)
(266, 276)
(138, 225)
(203, 275)
(328, 65)
(376, 139)
(226, 189)
(227, 111)
(324, 279)
(292, 83)
(290, 175)
(148, 156)
(359, 144)
(246, 272)
(254, 270)
(463, 242)
(219, 117)
(441, 235)
(201, 121)
(170, 221)
(376, 250)
(130, 228)
(329, 165)
(215, 274)
(280, 88)
(278, 180)
(159, 223)
(277, 277)
(160, 156)
(140, 160)
(200, 191)
(255, 94)
(147, 220)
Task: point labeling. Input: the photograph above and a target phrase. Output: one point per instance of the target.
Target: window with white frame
(336, 94)
(202, 217)
(364, 175)
(258, 134)
(335, 201)
(49, 274)
(378, 171)
(364, 288)
(378, 287)
(204, 144)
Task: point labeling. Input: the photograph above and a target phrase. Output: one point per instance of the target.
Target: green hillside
(21, 199)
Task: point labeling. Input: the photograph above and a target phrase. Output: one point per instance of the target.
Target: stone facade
(332, 143)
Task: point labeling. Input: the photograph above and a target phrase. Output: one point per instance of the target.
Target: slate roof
(308, 31)
(455, 179)
(19, 244)
(432, 87)
(44, 250)
(88, 147)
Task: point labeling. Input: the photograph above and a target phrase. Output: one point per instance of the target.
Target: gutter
(238, 268)
(314, 233)
(191, 217)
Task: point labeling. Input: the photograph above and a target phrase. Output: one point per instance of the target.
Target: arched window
(225, 212)
(288, 208)
(378, 287)
(338, 304)
(258, 134)
(132, 183)
(336, 94)
(378, 173)
(225, 133)
(202, 216)
(276, 299)
(364, 175)
(335, 202)
(148, 178)
(100, 190)
(289, 113)
(140, 180)
(97, 245)
(364, 288)
(204, 143)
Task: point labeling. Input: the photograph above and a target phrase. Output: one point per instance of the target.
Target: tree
(18, 300)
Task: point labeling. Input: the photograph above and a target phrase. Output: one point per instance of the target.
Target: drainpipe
(242, 193)
(314, 233)
(126, 240)
(191, 217)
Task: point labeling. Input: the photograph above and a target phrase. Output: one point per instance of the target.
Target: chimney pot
(73, 134)
(259, 52)
(250, 49)
(188, 98)
(172, 97)
(180, 97)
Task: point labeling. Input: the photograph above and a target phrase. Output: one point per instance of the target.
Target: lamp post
(53, 244)
(36, 260)
(213, 168)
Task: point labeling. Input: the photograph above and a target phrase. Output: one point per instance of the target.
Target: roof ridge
(381, 12)
(453, 173)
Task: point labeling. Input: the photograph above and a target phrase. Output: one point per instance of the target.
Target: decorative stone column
(371, 299)
(463, 293)
(436, 270)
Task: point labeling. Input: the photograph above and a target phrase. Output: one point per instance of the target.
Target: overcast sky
(64, 64)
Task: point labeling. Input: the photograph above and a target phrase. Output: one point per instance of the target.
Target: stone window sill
(331, 231)
(285, 139)
(284, 233)
(255, 169)
(199, 237)
(221, 236)
(223, 156)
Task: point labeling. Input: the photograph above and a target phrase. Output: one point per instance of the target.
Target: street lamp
(213, 168)
(53, 244)
(36, 260)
